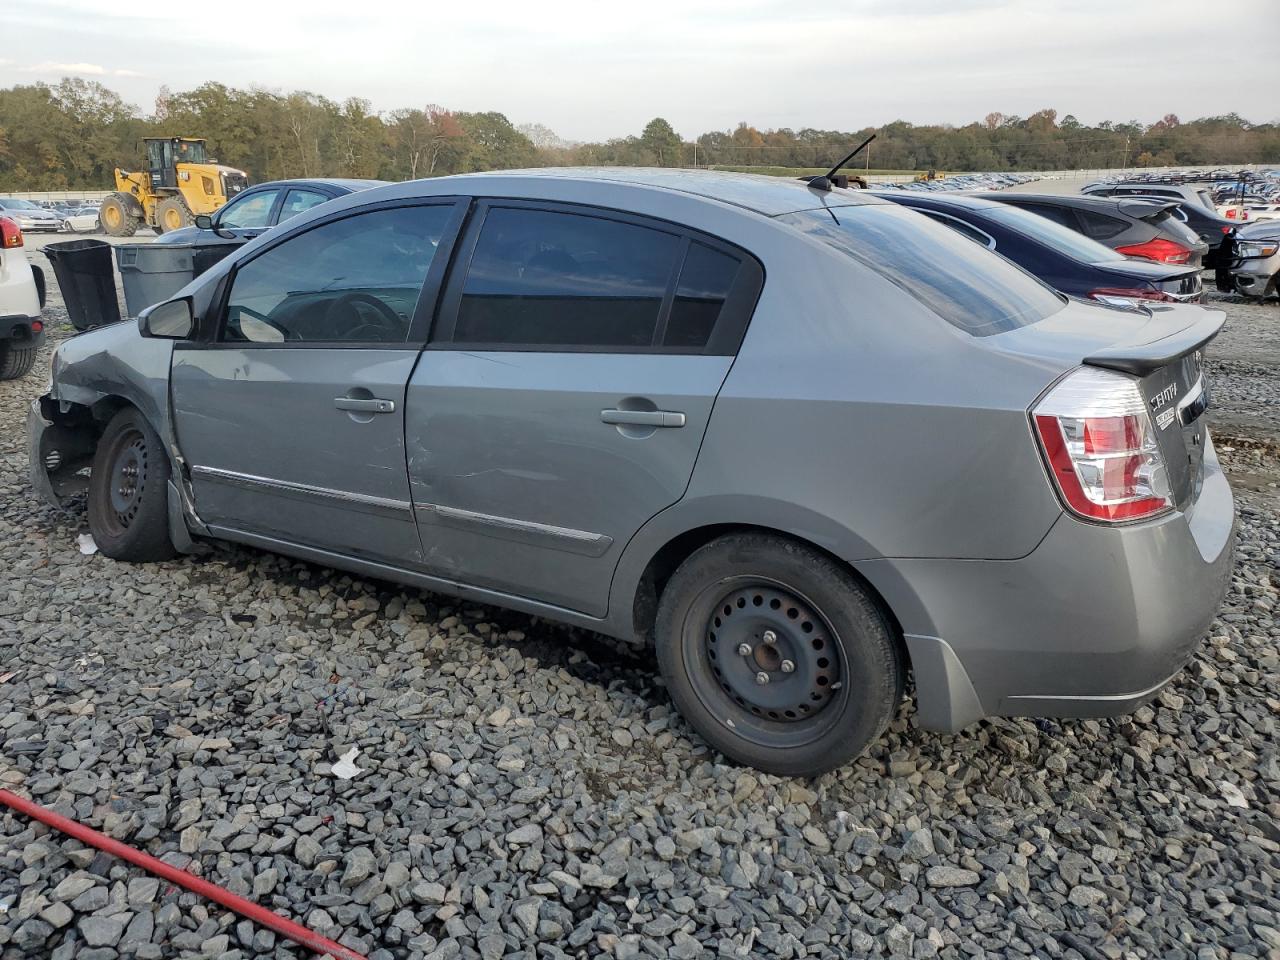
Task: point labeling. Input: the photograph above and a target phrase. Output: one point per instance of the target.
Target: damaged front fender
(60, 450)
(96, 374)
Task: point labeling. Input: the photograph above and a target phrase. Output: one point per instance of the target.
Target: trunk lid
(1162, 347)
(1177, 280)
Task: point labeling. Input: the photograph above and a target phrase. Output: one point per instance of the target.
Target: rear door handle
(373, 405)
(644, 418)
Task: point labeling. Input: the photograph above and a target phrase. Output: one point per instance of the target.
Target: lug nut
(770, 637)
(788, 666)
(744, 649)
(762, 678)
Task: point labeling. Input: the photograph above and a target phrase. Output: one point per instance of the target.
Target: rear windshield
(964, 283)
(1052, 234)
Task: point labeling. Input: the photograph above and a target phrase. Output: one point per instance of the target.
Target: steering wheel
(383, 318)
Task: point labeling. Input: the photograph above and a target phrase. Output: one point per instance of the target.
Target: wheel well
(664, 563)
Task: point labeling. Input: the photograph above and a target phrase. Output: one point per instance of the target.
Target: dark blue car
(1063, 258)
(263, 206)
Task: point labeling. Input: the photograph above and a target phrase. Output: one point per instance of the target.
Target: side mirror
(167, 321)
(204, 221)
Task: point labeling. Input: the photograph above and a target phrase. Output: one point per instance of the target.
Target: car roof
(770, 196)
(348, 184)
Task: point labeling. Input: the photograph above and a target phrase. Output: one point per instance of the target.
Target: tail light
(1113, 294)
(36, 326)
(1159, 250)
(10, 233)
(1100, 445)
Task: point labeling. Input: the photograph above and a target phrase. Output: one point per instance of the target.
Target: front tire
(128, 496)
(117, 218)
(16, 360)
(776, 655)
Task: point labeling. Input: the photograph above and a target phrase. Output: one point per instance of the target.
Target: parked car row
(966, 181)
(59, 217)
(748, 420)
(1238, 217)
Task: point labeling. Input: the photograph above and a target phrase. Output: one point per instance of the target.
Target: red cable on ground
(258, 914)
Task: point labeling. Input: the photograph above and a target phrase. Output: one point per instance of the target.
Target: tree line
(71, 135)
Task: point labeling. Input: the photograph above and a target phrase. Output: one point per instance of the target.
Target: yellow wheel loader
(180, 183)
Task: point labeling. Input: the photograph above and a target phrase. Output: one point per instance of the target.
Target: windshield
(10, 203)
(964, 283)
(1063, 239)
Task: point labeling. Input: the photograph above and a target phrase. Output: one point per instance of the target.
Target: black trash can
(87, 280)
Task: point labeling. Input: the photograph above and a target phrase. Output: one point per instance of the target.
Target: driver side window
(354, 280)
(249, 212)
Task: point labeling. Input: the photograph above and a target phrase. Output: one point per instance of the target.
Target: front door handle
(644, 418)
(360, 405)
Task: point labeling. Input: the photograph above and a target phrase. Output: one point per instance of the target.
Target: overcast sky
(590, 73)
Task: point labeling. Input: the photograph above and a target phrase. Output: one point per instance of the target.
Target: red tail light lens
(10, 233)
(36, 326)
(1100, 445)
(1159, 250)
(1113, 295)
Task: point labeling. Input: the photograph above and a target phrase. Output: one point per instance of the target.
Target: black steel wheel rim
(765, 660)
(127, 480)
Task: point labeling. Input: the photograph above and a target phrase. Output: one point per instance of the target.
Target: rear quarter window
(962, 282)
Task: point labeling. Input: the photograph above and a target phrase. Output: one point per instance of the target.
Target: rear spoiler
(1144, 356)
(1145, 207)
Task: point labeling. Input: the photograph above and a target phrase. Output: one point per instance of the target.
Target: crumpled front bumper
(58, 453)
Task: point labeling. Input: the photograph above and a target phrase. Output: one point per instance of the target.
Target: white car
(21, 298)
(82, 219)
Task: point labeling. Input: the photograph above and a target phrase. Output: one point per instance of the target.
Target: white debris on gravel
(187, 707)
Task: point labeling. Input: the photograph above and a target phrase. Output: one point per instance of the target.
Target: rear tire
(172, 214)
(128, 495)
(776, 654)
(16, 361)
(117, 218)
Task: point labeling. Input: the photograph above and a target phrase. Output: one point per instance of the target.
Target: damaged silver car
(800, 439)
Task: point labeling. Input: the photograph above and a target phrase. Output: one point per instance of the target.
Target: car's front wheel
(776, 654)
(128, 514)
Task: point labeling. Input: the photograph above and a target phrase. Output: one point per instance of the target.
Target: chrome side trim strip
(1095, 698)
(400, 509)
(542, 534)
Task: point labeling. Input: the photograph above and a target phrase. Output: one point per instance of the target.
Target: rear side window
(960, 227)
(706, 280)
(540, 277)
(968, 286)
(1060, 215)
(1100, 226)
(299, 201)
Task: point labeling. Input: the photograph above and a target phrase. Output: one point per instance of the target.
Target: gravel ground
(525, 790)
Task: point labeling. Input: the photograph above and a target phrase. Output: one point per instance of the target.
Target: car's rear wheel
(776, 655)
(16, 360)
(128, 514)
